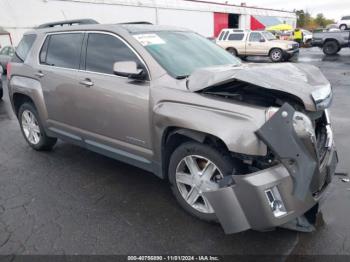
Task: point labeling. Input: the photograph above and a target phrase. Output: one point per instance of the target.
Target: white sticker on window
(149, 39)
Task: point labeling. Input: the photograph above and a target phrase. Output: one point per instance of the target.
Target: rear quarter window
(236, 37)
(24, 48)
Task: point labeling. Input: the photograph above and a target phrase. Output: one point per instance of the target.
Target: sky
(333, 9)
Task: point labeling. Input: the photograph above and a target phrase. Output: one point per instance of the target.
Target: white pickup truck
(331, 41)
(244, 43)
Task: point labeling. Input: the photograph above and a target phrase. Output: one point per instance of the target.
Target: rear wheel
(276, 55)
(32, 128)
(195, 168)
(331, 47)
(343, 27)
(232, 51)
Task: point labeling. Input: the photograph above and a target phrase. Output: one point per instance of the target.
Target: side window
(62, 50)
(255, 37)
(226, 34)
(221, 35)
(236, 37)
(24, 47)
(104, 50)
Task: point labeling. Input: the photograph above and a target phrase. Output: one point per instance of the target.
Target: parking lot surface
(73, 201)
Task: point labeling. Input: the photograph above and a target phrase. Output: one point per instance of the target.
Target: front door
(113, 110)
(256, 44)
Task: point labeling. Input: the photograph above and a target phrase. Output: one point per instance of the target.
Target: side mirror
(262, 40)
(128, 69)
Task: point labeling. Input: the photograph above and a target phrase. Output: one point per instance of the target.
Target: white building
(207, 18)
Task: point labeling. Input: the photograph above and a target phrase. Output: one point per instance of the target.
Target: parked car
(307, 37)
(244, 43)
(250, 146)
(1, 88)
(6, 54)
(344, 23)
(331, 41)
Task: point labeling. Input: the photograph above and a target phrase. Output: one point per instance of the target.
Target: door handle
(86, 82)
(39, 74)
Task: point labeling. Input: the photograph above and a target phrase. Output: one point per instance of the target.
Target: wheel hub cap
(30, 127)
(195, 175)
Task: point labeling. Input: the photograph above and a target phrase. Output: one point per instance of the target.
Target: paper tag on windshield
(149, 39)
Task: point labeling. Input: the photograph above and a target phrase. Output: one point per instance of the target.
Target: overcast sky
(330, 8)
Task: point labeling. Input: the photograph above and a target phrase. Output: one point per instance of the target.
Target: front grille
(295, 46)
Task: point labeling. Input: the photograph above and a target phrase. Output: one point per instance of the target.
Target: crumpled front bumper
(243, 203)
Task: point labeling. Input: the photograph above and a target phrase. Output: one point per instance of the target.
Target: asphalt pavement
(73, 201)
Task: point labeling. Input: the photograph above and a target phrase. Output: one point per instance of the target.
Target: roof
(130, 28)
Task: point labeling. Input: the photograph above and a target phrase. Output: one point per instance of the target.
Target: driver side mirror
(128, 69)
(262, 40)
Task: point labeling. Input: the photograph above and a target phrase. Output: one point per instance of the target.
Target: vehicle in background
(1, 89)
(248, 145)
(6, 54)
(331, 42)
(307, 37)
(344, 23)
(243, 43)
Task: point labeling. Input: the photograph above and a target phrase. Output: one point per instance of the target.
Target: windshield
(268, 36)
(181, 53)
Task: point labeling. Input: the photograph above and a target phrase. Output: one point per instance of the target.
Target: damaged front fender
(243, 201)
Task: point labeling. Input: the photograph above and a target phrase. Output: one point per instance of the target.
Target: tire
(232, 51)
(343, 27)
(308, 43)
(276, 55)
(199, 153)
(1, 90)
(29, 121)
(331, 47)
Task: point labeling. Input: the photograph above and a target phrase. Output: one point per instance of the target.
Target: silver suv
(249, 146)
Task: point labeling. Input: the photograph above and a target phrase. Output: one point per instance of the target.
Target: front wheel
(195, 168)
(32, 128)
(276, 55)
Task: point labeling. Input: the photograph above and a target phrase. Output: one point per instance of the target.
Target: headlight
(290, 46)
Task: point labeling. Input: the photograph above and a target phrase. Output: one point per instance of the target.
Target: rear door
(256, 44)
(237, 41)
(59, 62)
(113, 111)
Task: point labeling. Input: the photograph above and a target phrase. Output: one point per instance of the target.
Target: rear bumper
(294, 186)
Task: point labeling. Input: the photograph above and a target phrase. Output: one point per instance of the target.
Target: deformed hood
(303, 81)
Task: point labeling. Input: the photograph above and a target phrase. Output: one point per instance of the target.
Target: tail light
(8, 69)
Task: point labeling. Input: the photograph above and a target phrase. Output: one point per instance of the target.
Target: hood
(303, 81)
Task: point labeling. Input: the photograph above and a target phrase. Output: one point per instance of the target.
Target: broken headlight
(270, 112)
(303, 125)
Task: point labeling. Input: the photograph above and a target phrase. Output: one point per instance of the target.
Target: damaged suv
(248, 146)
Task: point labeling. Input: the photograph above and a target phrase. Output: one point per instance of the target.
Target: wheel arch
(173, 137)
(27, 89)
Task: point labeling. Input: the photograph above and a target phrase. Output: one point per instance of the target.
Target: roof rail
(136, 23)
(69, 23)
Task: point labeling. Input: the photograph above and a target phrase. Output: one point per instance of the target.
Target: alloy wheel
(30, 127)
(195, 175)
